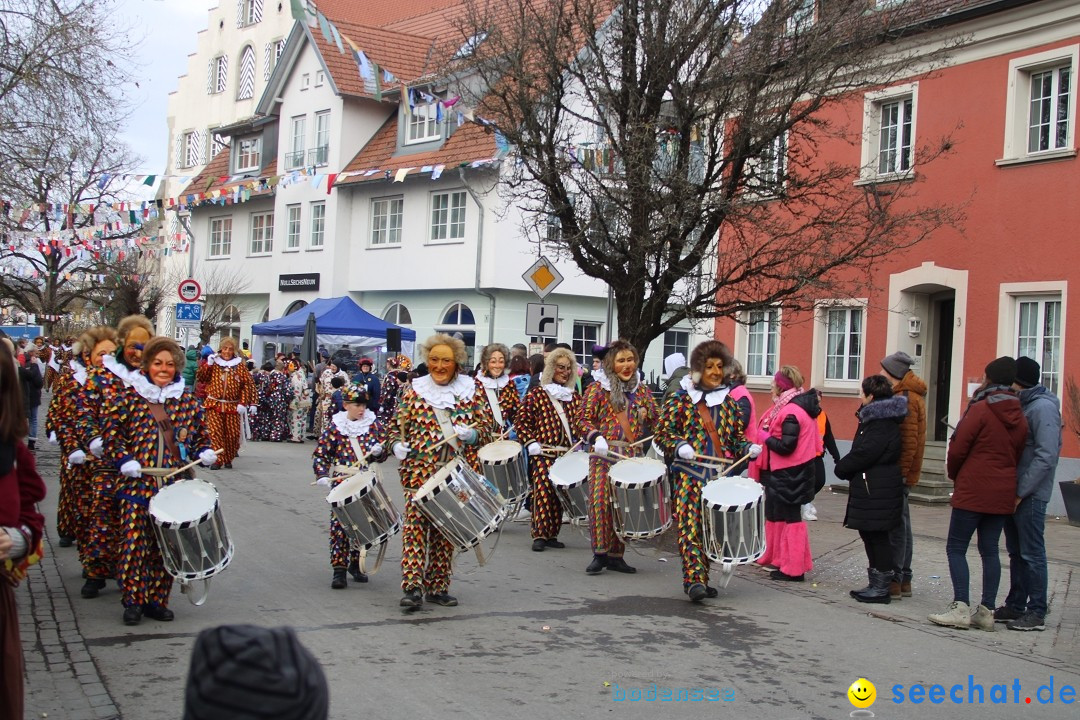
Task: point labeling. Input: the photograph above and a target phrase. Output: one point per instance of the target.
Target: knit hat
(898, 364)
(244, 672)
(1001, 371)
(366, 361)
(353, 393)
(783, 381)
(1028, 372)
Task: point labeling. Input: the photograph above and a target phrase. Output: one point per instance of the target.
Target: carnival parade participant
(617, 411)
(260, 376)
(229, 392)
(159, 425)
(326, 394)
(443, 405)
(700, 418)
(300, 402)
(495, 387)
(353, 438)
(551, 416)
(369, 380)
(397, 367)
(789, 435)
(274, 400)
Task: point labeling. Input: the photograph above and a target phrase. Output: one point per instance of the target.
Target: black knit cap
(245, 672)
(1001, 371)
(1028, 372)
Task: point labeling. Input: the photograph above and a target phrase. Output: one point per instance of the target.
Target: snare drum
(462, 504)
(640, 499)
(570, 477)
(365, 511)
(190, 530)
(733, 521)
(504, 465)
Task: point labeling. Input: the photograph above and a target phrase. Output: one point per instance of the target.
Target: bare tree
(668, 148)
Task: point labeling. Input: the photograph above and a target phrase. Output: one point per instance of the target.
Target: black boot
(412, 599)
(619, 565)
(354, 570)
(878, 592)
(92, 588)
(539, 545)
(66, 541)
(869, 584)
(338, 583)
(697, 592)
(599, 562)
(132, 614)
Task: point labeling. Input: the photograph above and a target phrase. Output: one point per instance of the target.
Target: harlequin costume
(300, 403)
(326, 398)
(274, 399)
(229, 387)
(391, 387)
(73, 503)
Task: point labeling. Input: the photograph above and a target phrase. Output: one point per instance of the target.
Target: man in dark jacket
(370, 380)
(191, 364)
(31, 379)
(1025, 606)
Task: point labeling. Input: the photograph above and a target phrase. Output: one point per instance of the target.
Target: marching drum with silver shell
(504, 465)
(462, 504)
(191, 533)
(365, 511)
(570, 477)
(733, 521)
(640, 498)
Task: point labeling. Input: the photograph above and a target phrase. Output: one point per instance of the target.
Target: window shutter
(247, 74)
(240, 6)
(211, 76)
(258, 7)
(222, 73)
(268, 52)
(178, 151)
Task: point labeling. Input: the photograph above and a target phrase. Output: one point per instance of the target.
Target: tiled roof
(215, 176)
(381, 14)
(402, 54)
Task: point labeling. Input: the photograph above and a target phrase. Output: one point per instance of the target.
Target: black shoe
(228, 466)
(619, 565)
(354, 570)
(215, 466)
(777, 575)
(1030, 621)
(31, 445)
(599, 562)
(338, 583)
(539, 544)
(697, 592)
(66, 541)
(441, 599)
(92, 588)
(553, 543)
(412, 599)
(132, 615)
(711, 592)
(156, 612)
(878, 592)
(1006, 614)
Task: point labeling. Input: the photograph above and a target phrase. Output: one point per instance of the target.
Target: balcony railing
(318, 156)
(294, 160)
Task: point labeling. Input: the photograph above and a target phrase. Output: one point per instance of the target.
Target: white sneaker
(523, 515)
(983, 618)
(958, 616)
(809, 512)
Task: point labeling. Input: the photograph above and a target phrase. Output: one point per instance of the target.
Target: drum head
(731, 493)
(637, 472)
(436, 481)
(570, 470)
(353, 487)
(183, 502)
(499, 452)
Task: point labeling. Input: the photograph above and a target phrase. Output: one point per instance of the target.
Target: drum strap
(166, 434)
(562, 418)
(624, 423)
(447, 427)
(355, 443)
(710, 426)
(493, 403)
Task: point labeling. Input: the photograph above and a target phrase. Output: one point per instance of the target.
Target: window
(765, 174)
(305, 81)
(802, 17)
(448, 216)
(1048, 119)
(248, 12)
(458, 314)
(217, 75)
(1038, 335)
(262, 233)
(216, 143)
(843, 343)
(271, 55)
(318, 154)
(677, 341)
(762, 342)
(220, 237)
(585, 336)
(295, 305)
(888, 144)
(318, 224)
(245, 88)
(423, 124)
(248, 154)
(320, 78)
(1039, 110)
(192, 148)
(230, 320)
(397, 314)
(894, 137)
(386, 221)
(292, 227)
(295, 158)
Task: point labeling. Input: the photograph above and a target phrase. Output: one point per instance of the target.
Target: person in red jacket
(981, 462)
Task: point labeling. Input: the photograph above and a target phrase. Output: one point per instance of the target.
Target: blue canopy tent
(339, 323)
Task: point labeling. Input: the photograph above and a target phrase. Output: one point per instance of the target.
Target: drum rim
(637, 484)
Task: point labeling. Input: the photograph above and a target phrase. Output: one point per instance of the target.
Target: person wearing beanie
(982, 460)
(367, 377)
(675, 368)
(897, 369)
(245, 672)
(1025, 605)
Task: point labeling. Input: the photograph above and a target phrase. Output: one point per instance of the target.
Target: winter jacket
(792, 484)
(191, 364)
(370, 382)
(876, 494)
(985, 450)
(675, 380)
(913, 429)
(31, 379)
(1038, 462)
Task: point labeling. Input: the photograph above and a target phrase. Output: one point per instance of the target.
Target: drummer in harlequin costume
(551, 416)
(230, 392)
(700, 418)
(494, 385)
(60, 427)
(617, 411)
(352, 439)
(158, 425)
(442, 405)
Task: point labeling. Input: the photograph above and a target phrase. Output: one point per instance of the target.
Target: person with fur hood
(876, 496)
(495, 388)
(549, 416)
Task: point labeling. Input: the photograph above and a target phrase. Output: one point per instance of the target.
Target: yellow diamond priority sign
(542, 277)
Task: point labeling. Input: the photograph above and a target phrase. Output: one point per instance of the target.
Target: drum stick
(442, 442)
(363, 460)
(712, 458)
(610, 454)
(642, 441)
(158, 472)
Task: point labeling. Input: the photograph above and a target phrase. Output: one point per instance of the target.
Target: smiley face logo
(862, 693)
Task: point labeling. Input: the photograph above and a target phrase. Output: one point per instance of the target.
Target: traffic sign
(542, 277)
(188, 313)
(541, 320)
(189, 290)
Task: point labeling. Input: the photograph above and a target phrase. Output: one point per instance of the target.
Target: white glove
(131, 469)
(376, 449)
(323, 481)
(686, 452)
(208, 457)
(754, 451)
(77, 457)
(252, 410)
(401, 450)
(241, 410)
(600, 446)
(97, 448)
(465, 433)
(52, 438)
(535, 449)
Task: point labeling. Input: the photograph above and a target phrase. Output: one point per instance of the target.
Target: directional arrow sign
(541, 320)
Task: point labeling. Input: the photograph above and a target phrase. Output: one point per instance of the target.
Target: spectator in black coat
(32, 380)
(876, 495)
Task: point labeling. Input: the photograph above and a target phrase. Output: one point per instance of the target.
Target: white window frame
(447, 219)
(220, 74)
(423, 125)
(221, 247)
(253, 156)
(322, 138)
(685, 350)
(1012, 295)
(192, 148)
(873, 103)
(293, 227)
(803, 17)
(742, 344)
(582, 345)
(766, 174)
(317, 234)
(1018, 105)
(392, 314)
(305, 81)
(320, 78)
(262, 234)
(386, 224)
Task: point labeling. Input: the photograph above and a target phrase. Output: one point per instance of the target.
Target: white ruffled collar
(216, 360)
(118, 369)
(353, 428)
(78, 371)
(605, 382)
(53, 364)
(152, 392)
(494, 383)
(559, 392)
(66, 348)
(600, 376)
(712, 398)
(444, 397)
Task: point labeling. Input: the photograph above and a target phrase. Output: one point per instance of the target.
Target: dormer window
(423, 124)
(248, 154)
